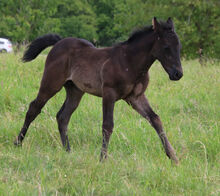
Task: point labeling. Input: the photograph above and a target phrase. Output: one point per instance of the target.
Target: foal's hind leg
(141, 105)
(33, 111)
(73, 97)
(51, 83)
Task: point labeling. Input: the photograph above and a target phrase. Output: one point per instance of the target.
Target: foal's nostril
(178, 75)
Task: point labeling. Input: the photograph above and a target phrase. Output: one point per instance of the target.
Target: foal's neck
(138, 53)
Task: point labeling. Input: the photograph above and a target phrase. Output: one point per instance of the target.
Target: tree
(77, 19)
(24, 20)
(105, 22)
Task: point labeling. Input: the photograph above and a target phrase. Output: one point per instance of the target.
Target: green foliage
(104, 10)
(105, 22)
(24, 20)
(77, 19)
(137, 165)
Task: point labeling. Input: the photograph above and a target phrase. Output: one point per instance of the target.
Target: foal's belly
(89, 87)
(87, 80)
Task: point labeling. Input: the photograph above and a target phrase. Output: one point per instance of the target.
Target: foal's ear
(155, 24)
(170, 22)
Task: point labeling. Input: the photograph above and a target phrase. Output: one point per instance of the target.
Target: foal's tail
(39, 44)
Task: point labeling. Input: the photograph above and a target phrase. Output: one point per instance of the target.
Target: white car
(5, 45)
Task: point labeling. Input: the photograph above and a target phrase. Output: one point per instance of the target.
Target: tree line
(105, 22)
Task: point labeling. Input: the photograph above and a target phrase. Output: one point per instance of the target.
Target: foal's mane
(139, 33)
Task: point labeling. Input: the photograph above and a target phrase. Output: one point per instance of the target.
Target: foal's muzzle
(176, 75)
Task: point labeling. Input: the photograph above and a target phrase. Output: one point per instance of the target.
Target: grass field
(137, 165)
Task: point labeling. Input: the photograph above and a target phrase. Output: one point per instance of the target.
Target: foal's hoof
(17, 142)
(175, 160)
(103, 157)
(102, 160)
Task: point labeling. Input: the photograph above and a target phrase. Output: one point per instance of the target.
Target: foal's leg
(33, 111)
(141, 105)
(73, 97)
(108, 102)
(51, 83)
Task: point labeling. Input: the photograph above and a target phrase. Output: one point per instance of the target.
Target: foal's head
(166, 48)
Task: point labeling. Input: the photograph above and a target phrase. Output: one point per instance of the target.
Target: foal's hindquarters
(71, 67)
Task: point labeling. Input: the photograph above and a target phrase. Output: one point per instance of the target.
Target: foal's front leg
(108, 102)
(141, 105)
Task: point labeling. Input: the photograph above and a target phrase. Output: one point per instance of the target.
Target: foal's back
(79, 61)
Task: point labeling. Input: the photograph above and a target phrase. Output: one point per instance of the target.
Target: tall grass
(137, 165)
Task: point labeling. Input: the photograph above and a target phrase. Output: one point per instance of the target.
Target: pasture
(137, 165)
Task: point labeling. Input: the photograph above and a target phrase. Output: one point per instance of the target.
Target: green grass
(137, 165)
